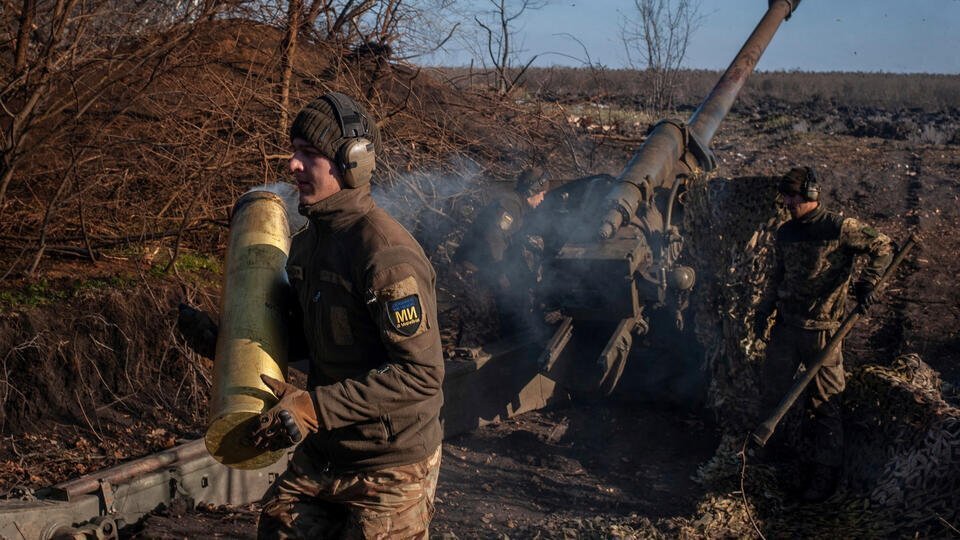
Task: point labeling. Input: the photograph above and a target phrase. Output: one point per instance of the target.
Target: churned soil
(576, 468)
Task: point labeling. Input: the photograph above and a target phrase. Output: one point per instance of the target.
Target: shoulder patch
(401, 306)
(294, 272)
(405, 314)
(506, 221)
(870, 231)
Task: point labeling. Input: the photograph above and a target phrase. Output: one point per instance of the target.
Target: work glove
(198, 330)
(287, 422)
(866, 294)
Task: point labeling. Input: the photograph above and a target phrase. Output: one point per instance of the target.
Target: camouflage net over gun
(730, 224)
(902, 472)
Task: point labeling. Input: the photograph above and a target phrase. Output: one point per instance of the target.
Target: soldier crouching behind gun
(365, 307)
(493, 247)
(814, 257)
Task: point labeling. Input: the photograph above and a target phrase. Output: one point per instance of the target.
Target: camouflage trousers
(822, 427)
(308, 501)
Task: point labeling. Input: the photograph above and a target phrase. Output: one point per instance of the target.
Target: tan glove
(287, 422)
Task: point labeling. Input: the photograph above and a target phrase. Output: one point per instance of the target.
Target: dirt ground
(586, 467)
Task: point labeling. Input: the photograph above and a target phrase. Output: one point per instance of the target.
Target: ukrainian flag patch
(405, 314)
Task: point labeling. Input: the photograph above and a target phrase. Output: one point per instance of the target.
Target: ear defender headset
(810, 187)
(355, 155)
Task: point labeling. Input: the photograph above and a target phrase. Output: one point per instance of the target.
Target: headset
(810, 187)
(355, 156)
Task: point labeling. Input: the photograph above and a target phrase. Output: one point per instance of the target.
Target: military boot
(822, 483)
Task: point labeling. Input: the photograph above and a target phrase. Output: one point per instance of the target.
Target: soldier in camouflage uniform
(498, 249)
(814, 258)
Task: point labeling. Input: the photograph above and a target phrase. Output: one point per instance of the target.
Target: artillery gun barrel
(671, 144)
(706, 119)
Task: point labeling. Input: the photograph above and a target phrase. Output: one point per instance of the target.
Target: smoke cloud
(291, 201)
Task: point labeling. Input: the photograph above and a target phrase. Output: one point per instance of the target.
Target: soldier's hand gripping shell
(287, 422)
(198, 330)
(866, 294)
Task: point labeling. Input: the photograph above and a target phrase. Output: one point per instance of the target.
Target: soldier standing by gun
(814, 257)
(365, 306)
(494, 247)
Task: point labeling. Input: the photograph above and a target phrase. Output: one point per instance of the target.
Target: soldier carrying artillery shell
(364, 303)
(814, 255)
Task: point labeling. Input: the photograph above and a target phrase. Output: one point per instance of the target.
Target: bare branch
(498, 28)
(660, 34)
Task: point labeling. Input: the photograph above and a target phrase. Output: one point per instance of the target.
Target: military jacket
(488, 238)
(366, 303)
(814, 260)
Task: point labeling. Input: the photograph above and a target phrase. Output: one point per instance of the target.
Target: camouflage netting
(731, 224)
(902, 471)
(904, 450)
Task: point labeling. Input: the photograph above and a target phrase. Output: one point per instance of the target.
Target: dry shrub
(103, 357)
(165, 151)
(932, 92)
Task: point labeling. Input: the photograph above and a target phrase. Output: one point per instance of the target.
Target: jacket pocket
(340, 326)
(373, 430)
(387, 422)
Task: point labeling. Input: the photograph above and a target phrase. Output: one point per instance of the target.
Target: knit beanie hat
(532, 181)
(793, 181)
(318, 124)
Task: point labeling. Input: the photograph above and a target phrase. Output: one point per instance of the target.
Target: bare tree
(499, 33)
(658, 36)
(114, 114)
(413, 26)
(67, 56)
(80, 68)
(288, 49)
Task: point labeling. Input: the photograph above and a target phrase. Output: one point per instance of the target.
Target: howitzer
(614, 252)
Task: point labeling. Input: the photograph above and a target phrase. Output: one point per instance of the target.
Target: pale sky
(898, 36)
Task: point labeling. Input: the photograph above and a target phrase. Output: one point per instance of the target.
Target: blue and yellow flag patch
(405, 314)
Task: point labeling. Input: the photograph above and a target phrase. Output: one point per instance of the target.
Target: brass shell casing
(252, 339)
